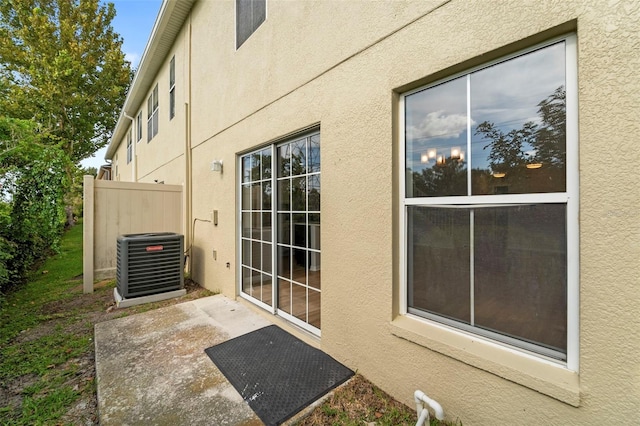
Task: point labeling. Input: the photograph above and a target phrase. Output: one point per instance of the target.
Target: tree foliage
(61, 64)
(32, 190)
(547, 139)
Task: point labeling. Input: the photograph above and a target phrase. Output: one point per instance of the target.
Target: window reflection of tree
(445, 179)
(530, 159)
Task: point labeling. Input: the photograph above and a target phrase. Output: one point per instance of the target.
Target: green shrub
(33, 182)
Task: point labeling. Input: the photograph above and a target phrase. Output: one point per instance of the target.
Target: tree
(507, 149)
(441, 180)
(551, 135)
(32, 191)
(539, 147)
(548, 140)
(61, 64)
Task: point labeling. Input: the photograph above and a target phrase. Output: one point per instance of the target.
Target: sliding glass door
(280, 229)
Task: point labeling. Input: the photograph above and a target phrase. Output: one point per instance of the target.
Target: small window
(152, 114)
(139, 127)
(249, 15)
(129, 147)
(172, 88)
(488, 207)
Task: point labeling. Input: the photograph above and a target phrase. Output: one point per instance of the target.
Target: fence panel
(114, 208)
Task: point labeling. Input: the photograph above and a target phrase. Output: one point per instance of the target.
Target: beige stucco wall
(340, 65)
(162, 158)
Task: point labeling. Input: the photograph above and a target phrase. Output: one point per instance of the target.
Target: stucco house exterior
(442, 193)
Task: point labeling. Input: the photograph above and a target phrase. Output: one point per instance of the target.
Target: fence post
(87, 234)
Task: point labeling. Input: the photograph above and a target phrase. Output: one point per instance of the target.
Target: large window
(249, 15)
(172, 88)
(152, 114)
(490, 200)
(280, 229)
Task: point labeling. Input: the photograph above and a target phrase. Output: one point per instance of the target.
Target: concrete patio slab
(151, 367)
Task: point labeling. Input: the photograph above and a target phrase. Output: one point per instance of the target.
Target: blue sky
(134, 21)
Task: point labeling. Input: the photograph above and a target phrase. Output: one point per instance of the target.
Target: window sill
(544, 376)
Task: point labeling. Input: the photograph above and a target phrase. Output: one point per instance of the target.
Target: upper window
(139, 127)
(129, 148)
(249, 15)
(490, 201)
(152, 114)
(172, 88)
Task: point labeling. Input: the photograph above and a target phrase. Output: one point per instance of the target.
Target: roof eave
(169, 21)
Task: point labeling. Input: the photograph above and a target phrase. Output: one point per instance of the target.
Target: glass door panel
(299, 231)
(256, 228)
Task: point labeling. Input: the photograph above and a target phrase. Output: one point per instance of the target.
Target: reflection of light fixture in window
(534, 165)
(424, 158)
(499, 175)
(455, 153)
(431, 153)
(440, 161)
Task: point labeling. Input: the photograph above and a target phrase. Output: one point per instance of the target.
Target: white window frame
(139, 127)
(172, 88)
(129, 147)
(570, 198)
(153, 108)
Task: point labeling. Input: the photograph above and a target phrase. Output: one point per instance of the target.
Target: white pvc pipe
(423, 413)
(423, 418)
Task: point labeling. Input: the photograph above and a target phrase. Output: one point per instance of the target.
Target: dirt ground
(360, 402)
(89, 310)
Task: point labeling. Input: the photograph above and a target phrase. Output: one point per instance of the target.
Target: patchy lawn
(47, 368)
(360, 403)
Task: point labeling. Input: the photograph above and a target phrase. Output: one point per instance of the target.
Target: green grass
(21, 309)
(45, 359)
(46, 340)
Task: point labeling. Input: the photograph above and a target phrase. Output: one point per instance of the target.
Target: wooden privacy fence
(114, 208)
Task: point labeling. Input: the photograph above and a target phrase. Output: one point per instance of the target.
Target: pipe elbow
(421, 397)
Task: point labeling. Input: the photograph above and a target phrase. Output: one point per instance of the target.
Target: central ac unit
(149, 264)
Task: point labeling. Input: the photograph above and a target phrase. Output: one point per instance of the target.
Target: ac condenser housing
(149, 263)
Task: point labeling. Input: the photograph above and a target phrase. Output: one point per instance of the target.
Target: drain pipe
(423, 413)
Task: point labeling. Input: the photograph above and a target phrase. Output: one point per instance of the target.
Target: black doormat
(276, 373)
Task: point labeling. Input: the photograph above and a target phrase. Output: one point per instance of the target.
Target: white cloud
(96, 160)
(133, 58)
(437, 124)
